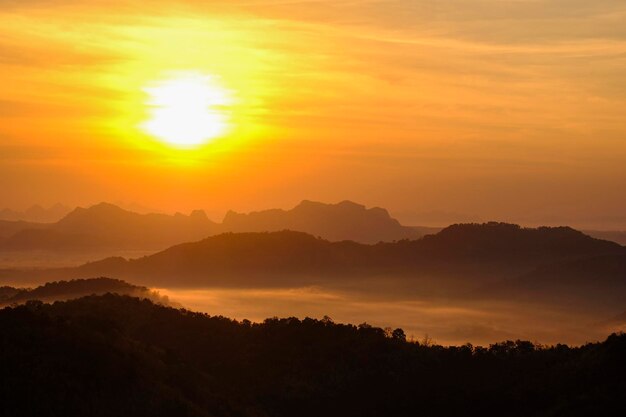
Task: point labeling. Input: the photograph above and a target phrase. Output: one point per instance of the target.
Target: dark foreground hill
(612, 235)
(116, 355)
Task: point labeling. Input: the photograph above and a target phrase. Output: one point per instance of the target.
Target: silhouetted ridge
(117, 355)
(7, 293)
(96, 219)
(257, 253)
(472, 251)
(616, 236)
(36, 213)
(64, 290)
(108, 227)
(343, 221)
(512, 241)
(9, 228)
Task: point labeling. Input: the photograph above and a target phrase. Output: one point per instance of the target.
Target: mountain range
(108, 230)
(336, 222)
(36, 213)
(109, 227)
(105, 226)
(344, 244)
(492, 260)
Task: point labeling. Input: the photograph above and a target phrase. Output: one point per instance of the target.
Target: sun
(187, 109)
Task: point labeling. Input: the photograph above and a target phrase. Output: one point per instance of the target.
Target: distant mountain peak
(199, 214)
(305, 203)
(101, 211)
(502, 227)
(36, 213)
(345, 220)
(478, 239)
(351, 204)
(342, 206)
(102, 206)
(345, 204)
(99, 207)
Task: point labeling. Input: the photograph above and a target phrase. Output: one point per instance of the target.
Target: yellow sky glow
(506, 110)
(187, 109)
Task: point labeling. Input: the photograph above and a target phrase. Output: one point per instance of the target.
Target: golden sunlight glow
(187, 109)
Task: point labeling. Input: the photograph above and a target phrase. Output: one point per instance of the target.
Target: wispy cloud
(322, 84)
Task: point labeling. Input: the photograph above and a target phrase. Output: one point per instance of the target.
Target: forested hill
(76, 288)
(116, 355)
(240, 258)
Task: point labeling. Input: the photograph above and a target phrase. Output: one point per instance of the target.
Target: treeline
(116, 355)
(65, 290)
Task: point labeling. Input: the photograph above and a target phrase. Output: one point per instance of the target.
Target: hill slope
(599, 280)
(612, 235)
(113, 355)
(470, 251)
(9, 228)
(66, 290)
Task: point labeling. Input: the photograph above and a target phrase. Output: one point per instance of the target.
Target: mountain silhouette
(36, 213)
(106, 226)
(612, 235)
(511, 242)
(9, 228)
(335, 222)
(109, 221)
(473, 254)
(108, 229)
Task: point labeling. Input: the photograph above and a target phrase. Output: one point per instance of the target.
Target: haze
(508, 110)
(312, 208)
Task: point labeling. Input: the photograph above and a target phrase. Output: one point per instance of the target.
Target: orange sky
(508, 110)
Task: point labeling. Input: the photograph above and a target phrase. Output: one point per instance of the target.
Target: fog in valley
(467, 283)
(447, 322)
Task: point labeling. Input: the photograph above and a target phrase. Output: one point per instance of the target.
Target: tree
(398, 334)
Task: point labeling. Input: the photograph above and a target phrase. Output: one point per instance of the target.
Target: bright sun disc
(187, 109)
